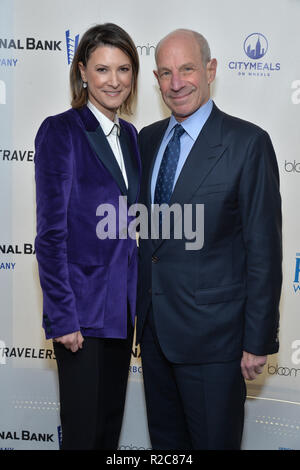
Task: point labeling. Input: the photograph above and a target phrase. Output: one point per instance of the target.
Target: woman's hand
(72, 341)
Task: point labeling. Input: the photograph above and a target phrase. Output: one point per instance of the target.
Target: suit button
(154, 259)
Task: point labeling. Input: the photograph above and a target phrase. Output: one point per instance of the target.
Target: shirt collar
(194, 123)
(106, 124)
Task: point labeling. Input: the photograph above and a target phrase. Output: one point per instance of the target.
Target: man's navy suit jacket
(211, 304)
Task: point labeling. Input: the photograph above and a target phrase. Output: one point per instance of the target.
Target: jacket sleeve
(260, 205)
(53, 175)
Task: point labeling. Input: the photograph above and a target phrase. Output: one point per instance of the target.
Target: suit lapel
(131, 164)
(104, 152)
(101, 147)
(204, 155)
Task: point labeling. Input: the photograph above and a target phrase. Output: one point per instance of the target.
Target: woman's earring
(84, 84)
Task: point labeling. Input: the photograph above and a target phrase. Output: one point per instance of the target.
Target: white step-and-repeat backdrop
(257, 46)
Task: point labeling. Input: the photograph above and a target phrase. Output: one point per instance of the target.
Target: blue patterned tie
(167, 170)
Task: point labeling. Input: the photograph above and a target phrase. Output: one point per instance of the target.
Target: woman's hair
(107, 34)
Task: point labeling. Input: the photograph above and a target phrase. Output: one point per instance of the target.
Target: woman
(86, 157)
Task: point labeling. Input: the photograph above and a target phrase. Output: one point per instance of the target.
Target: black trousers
(191, 406)
(92, 388)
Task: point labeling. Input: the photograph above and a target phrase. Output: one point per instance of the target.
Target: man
(207, 318)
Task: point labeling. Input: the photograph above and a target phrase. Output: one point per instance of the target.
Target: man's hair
(201, 40)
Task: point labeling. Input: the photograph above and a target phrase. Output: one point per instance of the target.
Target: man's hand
(252, 365)
(72, 341)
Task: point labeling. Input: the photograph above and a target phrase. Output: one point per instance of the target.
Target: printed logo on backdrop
(292, 166)
(296, 284)
(14, 155)
(7, 266)
(32, 44)
(9, 63)
(135, 368)
(288, 370)
(132, 447)
(283, 371)
(295, 97)
(146, 50)
(22, 352)
(295, 358)
(71, 43)
(8, 249)
(255, 48)
(36, 44)
(2, 92)
(25, 435)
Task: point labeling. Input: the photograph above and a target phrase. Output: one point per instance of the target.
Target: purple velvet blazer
(87, 282)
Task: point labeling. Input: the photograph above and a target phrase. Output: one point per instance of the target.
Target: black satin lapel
(104, 152)
(131, 166)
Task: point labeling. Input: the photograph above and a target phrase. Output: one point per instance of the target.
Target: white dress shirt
(111, 130)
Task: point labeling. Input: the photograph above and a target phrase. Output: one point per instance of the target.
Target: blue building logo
(72, 43)
(256, 46)
(297, 274)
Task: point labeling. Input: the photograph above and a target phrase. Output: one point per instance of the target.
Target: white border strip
(274, 399)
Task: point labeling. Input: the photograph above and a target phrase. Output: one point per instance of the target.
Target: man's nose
(176, 81)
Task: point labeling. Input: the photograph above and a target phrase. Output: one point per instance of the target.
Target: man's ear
(156, 75)
(211, 70)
